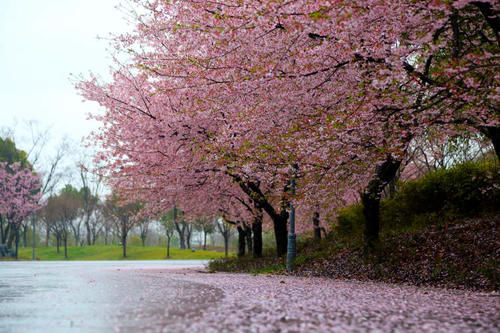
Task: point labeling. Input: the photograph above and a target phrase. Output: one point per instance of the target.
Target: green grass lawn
(115, 252)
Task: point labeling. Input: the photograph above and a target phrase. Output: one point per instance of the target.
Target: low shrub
(247, 263)
(351, 221)
(468, 189)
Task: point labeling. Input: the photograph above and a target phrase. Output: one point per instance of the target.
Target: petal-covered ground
(164, 296)
(275, 304)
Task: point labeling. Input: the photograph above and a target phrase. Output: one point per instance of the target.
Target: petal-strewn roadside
(267, 303)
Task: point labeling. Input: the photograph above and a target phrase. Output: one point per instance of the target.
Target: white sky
(41, 43)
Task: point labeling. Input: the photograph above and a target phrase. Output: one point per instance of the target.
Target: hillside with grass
(115, 252)
(441, 230)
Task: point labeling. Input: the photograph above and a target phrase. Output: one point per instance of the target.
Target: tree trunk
(11, 235)
(204, 240)
(168, 247)
(248, 235)
(493, 133)
(17, 242)
(241, 241)
(124, 245)
(66, 246)
(226, 243)
(2, 239)
(317, 229)
(252, 189)
(124, 240)
(189, 230)
(87, 225)
(180, 231)
(257, 237)
(370, 198)
(281, 233)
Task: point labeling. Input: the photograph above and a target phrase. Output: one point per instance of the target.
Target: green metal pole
(291, 246)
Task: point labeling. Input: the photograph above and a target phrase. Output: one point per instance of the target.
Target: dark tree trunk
(168, 247)
(252, 189)
(181, 230)
(317, 228)
(87, 225)
(281, 233)
(493, 133)
(248, 235)
(66, 246)
(241, 241)
(226, 243)
(2, 239)
(124, 239)
(189, 229)
(257, 238)
(17, 242)
(124, 245)
(370, 198)
(371, 211)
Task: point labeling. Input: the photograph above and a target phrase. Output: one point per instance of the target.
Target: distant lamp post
(292, 243)
(34, 235)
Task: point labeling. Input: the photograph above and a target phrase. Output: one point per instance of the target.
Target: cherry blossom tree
(245, 90)
(19, 198)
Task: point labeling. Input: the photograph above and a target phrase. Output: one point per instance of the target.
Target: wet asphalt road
(97, 296)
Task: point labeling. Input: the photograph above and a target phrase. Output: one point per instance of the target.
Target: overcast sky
(41, 43)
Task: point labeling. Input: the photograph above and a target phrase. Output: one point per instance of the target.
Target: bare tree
(108, 224)
(206, 227)
(143, 226)
(97, 223)
(430, 152)
(123, 219)
(61, 211)
(91, 187)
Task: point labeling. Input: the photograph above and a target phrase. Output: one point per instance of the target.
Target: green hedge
(468, 189)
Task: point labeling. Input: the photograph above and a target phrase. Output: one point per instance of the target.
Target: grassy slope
(114, 252)
(461, 255)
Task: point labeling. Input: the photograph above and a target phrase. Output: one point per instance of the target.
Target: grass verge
(115, 252)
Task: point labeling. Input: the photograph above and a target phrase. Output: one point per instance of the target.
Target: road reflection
(98, 295)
